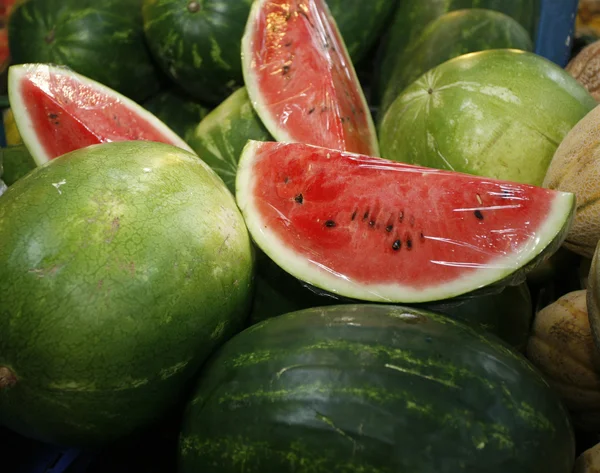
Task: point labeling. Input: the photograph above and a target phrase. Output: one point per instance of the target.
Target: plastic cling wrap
(372, 229)
(300, 78)
(57, 111)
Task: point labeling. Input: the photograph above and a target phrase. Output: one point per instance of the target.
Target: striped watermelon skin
(412, 17)
(372, 389)
(451, 35)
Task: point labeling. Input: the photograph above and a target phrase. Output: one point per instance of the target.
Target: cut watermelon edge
(260, 106)
(502, 271)
(18, 72)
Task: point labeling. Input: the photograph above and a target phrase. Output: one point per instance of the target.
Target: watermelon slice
(301, 80)
(57, 110)
(378, 230)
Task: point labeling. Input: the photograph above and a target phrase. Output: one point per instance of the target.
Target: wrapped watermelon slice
(377, 230)
(57, 111)
(300, 78)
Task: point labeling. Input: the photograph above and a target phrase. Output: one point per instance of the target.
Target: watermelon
(122, 266)
(277, 292)
(361, 23)
(377, 230)
(373, 389)
(197, 43)
(300, 78)
(508, 313)
(413, 17)
(16, 162)
(486, 113)
(57, 110)
(178, 111)
(100, 40)
(451, 35)
(221, 136)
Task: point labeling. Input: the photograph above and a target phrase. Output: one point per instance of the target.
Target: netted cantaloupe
(588, 461)
(575, 167)
(585, 67)
(562, 347)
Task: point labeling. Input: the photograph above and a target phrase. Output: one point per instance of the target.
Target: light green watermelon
(498, 114)
(122, 266)
(451, 35)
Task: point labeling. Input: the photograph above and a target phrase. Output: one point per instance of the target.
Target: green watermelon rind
(506, 271)
(221, 136)
(505, 32)
(17, 73)
(262, 109)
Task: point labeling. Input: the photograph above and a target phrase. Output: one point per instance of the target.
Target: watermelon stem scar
(193, 6)
(7, 378)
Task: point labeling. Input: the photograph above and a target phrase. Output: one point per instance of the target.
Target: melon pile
(321, 235)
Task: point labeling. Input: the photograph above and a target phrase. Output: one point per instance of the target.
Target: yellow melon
(588, 461)
(562, 347)
(575, 168)
(585, 68)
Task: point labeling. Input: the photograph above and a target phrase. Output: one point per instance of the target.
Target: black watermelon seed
(52, 116)
(366, 215)
(353, 215)
(299, 198)
(478, 214)
(422, 236)
(409, 243)
(372, 223)
(389, 228)
(286, 180)
(311, 110)
(330, 223)
(285, 69)
(396, 245)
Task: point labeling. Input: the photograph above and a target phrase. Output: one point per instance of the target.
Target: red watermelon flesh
(378, 230)
(57, 110)
(300, 78)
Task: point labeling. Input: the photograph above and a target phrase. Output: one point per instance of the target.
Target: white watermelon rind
(549, 236)
(260, 106)
(24, 123)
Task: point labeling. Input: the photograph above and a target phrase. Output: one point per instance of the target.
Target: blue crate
(556, 30)
(37, 457)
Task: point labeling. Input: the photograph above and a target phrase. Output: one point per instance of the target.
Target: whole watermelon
(221, 136)
(178, 111)
(499, 114)
(373, 389)
(198, 42)
(413, 17)
(451, 35)
(103, 40)
(122, 266)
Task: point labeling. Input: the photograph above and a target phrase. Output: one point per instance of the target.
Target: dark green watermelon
(16, 161)
(178, 111)
(197, 43)
(373, 389)
(412, 17)
(361, 23)
(221, 136)
(507, 313)
(102, 40)
(451, 35)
